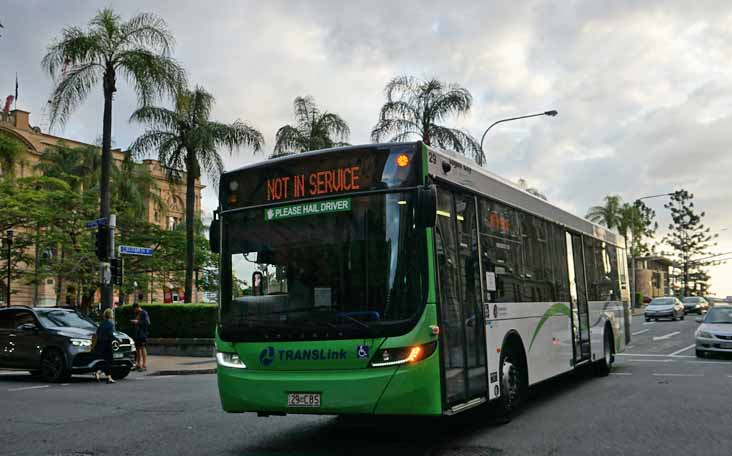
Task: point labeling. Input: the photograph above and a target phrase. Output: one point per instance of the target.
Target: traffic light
(102, 243)
(117, 268)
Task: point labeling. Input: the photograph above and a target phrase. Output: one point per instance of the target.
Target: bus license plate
(303, 400)
(118, 355)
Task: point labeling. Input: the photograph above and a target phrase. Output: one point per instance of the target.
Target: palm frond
(151, 74)
(149, 30)
(72, 90)
(153, 140)
(289, 139)
(158, 118)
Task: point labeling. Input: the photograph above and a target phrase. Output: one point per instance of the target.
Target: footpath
(179, 365)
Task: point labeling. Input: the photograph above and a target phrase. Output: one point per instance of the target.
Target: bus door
(578, 298)
(461, 317)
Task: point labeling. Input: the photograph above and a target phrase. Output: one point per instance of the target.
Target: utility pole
(9, 241)
(107, 289)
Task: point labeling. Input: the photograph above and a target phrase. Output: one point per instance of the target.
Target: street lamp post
(9, 241)
(551, 113)
(632, 257)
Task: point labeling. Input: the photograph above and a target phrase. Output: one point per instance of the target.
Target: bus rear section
(325, 303)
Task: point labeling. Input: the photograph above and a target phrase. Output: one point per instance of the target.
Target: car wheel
(602, 367)
(120, 372)
(512, 382)
(53, 365)
(700, 353)
(648, 319)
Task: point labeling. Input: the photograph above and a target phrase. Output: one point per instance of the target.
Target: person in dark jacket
(142, 331)
(103, 346)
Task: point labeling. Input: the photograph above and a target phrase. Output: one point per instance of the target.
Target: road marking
(640, 332)
(161, 376)
(620, 373)
(29, 388)
(664, 337)
(682, 350)
(648, 323)
(651, 360)
(678, 375)
(652, 354)
(707, 362)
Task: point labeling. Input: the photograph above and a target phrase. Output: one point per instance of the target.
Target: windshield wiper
(354, 320)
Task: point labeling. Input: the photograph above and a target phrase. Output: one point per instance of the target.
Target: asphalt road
(660, 399)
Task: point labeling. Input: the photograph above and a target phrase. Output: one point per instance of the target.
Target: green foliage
(636, 221)
(185, 140)
(689, 238)
(638, 299)
(172, 320)
(138, 49)
(413, 108)
(313, 129)
(10, 149)
(608, 214)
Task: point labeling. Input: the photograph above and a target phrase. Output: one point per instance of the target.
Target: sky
(643, 89)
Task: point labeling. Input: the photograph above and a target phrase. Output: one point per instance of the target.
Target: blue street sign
(95, 223)
(129, 250)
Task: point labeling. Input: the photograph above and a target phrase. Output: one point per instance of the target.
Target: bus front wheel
(603, 366)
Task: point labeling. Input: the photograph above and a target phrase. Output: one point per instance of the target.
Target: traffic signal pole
(107, 289)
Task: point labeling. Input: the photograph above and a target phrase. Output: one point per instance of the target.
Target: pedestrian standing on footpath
(103, 345)
(142, 331)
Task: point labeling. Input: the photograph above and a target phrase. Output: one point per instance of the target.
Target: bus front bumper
(404, 390)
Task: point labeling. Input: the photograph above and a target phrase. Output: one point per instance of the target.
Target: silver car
(666, 307)
(714, 335)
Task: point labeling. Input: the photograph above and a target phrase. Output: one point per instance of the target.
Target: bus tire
(513, 375)
(605, 364)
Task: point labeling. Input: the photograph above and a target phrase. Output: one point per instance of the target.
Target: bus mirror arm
(427, 206)
(214, 234)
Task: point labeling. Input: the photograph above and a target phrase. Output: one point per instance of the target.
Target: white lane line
(648, 323)
(682, 350)
(653, 354)
(651, 360)
(620, 373)
(707, 362)
(640, 332)
(678, 375)
(29, 388)
(666, 336)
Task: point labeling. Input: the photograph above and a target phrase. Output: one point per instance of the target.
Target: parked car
(666, 307)
(714, 335)
(55, 343)
(695, 304)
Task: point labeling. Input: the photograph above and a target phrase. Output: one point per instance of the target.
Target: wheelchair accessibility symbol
(362, 351)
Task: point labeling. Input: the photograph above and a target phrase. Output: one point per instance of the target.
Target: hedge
(172, 320)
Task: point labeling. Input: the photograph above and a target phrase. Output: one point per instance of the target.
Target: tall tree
(139, 49)
(608, 214)
(10, 150)
(638, 221)
(414, 108)
(186, 140)
(689, 238)
(313, 129)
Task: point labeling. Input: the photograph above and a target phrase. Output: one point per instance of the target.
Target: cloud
(642, 88)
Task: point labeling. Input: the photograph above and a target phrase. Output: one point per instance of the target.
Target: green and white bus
(403, 279)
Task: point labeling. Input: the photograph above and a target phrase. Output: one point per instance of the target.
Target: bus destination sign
(310, 208)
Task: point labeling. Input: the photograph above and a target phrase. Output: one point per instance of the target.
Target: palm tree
(138, 49)
(414, 107)
(186, 140)
(608, 214)
(10, 150)
(134, 188)
(78, 166)
(313, 129)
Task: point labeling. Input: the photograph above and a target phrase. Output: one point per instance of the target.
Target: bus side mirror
(214, 234)
(426, 206)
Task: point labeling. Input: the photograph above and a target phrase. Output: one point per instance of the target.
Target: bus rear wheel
(603, 366)
(513, 388)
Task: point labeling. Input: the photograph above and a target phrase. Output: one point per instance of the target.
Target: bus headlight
(403, 355)
(230, 360)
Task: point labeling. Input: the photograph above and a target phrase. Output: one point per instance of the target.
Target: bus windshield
(330, 269)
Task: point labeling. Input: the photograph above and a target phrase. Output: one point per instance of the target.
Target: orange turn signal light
(402, 160)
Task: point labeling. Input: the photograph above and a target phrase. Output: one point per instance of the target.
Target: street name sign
(95, 223)
(130, 250)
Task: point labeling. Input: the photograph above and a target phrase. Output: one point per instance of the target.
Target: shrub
(172, 320)
(638, 299)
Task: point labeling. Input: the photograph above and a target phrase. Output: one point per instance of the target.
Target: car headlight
(704, 334)
(230, 360)
(81, 342)
(404, 355)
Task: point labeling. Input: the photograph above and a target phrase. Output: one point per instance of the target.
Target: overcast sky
(643, 89)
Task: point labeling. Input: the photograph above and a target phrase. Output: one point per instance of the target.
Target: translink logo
(267, 355)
